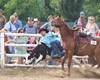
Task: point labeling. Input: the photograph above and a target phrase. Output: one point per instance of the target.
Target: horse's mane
(66, 29)
(70, 30)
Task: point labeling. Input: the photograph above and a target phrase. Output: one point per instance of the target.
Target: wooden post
(2, 50)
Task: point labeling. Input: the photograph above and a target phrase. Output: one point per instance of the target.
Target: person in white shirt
(10, 28)
(91, 27)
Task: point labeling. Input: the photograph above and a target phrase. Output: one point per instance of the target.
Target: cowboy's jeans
(55, 45)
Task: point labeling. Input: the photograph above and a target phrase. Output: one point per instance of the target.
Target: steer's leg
(39, 59)
(45, 64)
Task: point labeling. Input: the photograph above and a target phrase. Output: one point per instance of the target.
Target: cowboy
(52, 42)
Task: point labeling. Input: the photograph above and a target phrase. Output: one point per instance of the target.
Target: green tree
(25, 8)
(55, 6)
(71, 8)
(51, 7)
(92, 8)
(2, 3)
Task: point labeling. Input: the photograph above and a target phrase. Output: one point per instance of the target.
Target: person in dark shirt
(30, 28)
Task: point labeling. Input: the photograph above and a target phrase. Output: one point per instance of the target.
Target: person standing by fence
(36, 22)
(48, 25)
(6, 49)
(81, 21)
(10, 28)
(92, 27)
(2, 20)
(30, 28)
(18, 23)
(20, 50)
(31, 40)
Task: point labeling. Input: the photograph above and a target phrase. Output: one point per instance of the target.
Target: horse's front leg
(64, 59)
(70, 53)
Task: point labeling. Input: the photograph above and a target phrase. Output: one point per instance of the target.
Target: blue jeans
(53, 53)
(12, 49)
(56, 46)
(51, 63)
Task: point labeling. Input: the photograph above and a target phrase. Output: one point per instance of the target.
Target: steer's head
(29, 58)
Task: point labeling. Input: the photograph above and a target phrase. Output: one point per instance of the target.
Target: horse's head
(57, 21)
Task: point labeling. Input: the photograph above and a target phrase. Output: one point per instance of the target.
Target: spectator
(92, 27)
(2, 20)
(6, 39)
(10, 27)
(81, 21)
(48, 25)
(36, 22)
(18, 23)
(56, 33)
(31, 40)
(20, 50)
(77, 27)
(30, 28)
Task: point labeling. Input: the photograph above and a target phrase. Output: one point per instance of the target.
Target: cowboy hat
(43, 30)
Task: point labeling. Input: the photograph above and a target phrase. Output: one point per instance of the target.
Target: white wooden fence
(2, 36)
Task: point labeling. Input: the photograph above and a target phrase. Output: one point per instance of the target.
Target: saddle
(82, 37)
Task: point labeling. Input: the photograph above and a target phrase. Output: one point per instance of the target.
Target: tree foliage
(41, 9)
(92, 8)
(71, 8)
(25, 8)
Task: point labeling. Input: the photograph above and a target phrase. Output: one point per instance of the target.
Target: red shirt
(5, 40)
(82, 21)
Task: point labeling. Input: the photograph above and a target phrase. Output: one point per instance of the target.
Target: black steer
(40, 52)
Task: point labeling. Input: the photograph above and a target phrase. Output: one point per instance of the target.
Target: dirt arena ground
(41, 74)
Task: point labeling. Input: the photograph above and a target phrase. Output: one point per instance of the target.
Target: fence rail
(2, 36)
(27, 45)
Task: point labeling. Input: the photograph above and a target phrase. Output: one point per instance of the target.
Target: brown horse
(67, 35)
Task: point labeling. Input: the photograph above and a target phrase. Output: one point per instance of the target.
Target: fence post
(2, 50)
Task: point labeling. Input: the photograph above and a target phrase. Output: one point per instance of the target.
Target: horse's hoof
(68, 74)
(63, 69)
